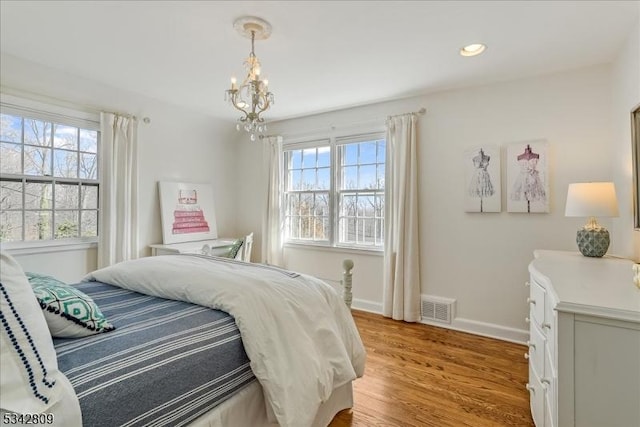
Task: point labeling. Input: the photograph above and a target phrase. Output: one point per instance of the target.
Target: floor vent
(437, 308)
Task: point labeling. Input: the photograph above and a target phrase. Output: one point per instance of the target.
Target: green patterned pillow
(70, 313)
(235, 248)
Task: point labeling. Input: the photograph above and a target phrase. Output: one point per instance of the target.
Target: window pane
(324, 179)
(350, 154)
(380, 177)
(10, 226)
(65, 163)
(349, 177)
(380, 206)
(309, 158)
(66, 224)
(65, 137)
(295, 180)
(37, 196)
(347, 205)
(296, 159)
(37, 132)
(367, 177)
(89, 222)
(367, 152)
(320, 229)
(88, 166)
(306, 204)
(382, 154)
(365, 206)
(88, 140)
(368, 231)
(324, 156)
(306, 227)
(308, 179)
(10, 161)
(89, 197)
(321, 205)
(37, 161)
(10, 128)
(294, 227)
(10, 195)
(293, 205)
(67, 196)
(37, 225)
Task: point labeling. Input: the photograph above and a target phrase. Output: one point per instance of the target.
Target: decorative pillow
(29, 380)
(70, 313)
(233, 252)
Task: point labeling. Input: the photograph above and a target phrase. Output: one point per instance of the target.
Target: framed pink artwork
(187, 212)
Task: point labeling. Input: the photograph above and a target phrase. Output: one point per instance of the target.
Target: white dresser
(584, 347)
(215, 247)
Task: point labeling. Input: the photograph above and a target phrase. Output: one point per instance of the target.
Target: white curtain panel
(272, 224)
(118, 228)
(401, 296)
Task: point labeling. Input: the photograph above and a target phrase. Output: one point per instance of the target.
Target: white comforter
(297, 331)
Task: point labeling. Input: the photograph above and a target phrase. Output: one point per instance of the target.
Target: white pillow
(30, 378)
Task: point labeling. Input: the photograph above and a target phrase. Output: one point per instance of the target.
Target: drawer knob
(527, 284)
(530, 388)
(545, 381)
(526, 356)
(531, 345)
(531, 301)
(546, 325)
(527, 320)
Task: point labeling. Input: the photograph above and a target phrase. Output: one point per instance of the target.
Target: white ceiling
(322, 55)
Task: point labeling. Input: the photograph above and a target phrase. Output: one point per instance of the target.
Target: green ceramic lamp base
(593, 243)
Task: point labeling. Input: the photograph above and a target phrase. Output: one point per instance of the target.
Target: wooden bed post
(347, 266)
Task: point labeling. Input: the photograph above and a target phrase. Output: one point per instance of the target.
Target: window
(334, 192)
(48, 177)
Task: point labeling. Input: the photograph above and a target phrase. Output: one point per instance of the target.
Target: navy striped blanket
(166, 363)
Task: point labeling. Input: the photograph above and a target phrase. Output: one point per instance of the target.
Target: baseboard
(490, 330)
(365, 305)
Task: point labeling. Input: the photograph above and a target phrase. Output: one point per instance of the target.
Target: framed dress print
(528, 177)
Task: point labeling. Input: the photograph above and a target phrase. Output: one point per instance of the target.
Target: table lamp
(592, 199)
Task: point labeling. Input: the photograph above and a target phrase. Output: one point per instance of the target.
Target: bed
(208, 341)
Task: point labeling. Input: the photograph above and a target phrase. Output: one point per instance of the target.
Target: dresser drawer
(537, 398)
(537, 300)
(537, 345)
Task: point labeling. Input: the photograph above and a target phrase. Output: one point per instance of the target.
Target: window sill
(49, 246)
(338, 249)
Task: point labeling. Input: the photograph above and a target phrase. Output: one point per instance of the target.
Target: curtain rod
(420, 112)
(331, 128)
(39, 98)
(145, 120)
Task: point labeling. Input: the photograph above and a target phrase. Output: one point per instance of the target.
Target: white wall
(478, 259)
(626, 96)
(178, 144)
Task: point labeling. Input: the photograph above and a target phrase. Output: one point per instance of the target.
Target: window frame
(63, 116)
(334, 142)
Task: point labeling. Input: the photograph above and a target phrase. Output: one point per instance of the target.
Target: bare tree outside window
(48, 180)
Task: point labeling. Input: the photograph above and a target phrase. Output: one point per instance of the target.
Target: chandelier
(252, 97)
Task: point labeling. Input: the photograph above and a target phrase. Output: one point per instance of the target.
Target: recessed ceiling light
(472, 49)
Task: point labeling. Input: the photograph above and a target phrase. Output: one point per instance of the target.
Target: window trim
(333, 141)
(72, 117)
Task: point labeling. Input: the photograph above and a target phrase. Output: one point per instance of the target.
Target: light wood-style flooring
(420, 375)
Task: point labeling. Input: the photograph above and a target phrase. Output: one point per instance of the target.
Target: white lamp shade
(597, 199)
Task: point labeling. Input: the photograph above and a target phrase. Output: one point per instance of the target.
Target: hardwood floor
(420, 375)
